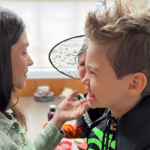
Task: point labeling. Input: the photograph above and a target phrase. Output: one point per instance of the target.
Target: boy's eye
(82, 64)
(24, 53)
(92, 72)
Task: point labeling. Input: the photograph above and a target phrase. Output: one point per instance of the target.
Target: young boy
(118, 78)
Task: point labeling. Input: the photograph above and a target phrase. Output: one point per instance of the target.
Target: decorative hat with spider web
(64, 55)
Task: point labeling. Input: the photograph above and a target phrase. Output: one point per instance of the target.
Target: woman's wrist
(57, 122)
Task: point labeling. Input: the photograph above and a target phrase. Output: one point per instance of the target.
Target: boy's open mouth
(90, 96)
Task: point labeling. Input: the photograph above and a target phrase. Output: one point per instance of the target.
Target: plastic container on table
(51, 112)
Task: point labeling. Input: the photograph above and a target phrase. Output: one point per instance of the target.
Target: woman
(14, 62)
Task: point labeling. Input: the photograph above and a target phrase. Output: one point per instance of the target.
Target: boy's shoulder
(130, 127)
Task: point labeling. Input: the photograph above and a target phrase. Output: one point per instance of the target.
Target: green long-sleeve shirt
(13, 136)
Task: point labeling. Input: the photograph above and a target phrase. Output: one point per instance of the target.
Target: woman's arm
(52, 134)
(49, 138)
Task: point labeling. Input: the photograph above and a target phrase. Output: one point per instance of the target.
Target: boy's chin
(93, 106)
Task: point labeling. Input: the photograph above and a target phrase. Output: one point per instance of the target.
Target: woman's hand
(67, 110)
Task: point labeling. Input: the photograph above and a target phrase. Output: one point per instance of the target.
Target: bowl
(43, 89)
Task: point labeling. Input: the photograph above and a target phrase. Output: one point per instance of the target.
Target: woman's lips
(25, 74)
(90, 97)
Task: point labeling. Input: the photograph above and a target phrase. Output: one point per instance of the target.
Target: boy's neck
(125, 106)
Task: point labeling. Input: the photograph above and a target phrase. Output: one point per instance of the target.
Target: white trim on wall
(46, 73)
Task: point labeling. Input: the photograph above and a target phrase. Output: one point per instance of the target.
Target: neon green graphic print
(98, 141)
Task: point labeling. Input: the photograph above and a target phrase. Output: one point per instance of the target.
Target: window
(47, 23)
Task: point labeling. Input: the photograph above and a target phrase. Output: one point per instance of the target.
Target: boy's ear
(137, 84)
(78, 67)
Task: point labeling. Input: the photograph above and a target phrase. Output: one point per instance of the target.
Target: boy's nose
(85, 80)
(85, 71)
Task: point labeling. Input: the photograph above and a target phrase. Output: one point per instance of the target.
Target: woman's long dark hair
(11, 27)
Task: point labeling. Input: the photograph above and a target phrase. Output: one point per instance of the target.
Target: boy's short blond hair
(129, 34)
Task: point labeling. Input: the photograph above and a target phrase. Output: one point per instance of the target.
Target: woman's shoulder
(7, 124)
(5, 142)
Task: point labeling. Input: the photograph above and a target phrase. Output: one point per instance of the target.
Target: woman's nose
(29, 61)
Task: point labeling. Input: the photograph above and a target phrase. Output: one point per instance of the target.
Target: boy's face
(104, 89)
(81, 66)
